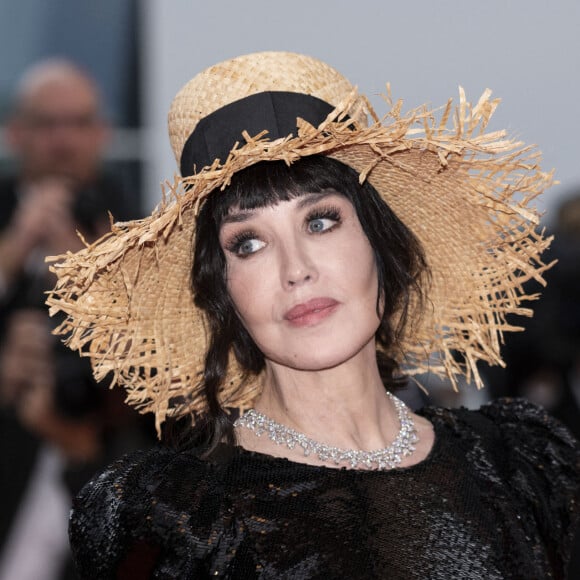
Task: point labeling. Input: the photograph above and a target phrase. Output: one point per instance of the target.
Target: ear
(103, 134)
(14, 135)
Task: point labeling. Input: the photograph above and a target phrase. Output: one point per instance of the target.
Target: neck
(345, 406)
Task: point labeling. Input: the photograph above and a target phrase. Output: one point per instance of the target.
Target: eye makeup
(319, 219)
(241, 243)
(330, 213)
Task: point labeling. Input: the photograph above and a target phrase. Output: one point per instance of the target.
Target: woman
(328, 257)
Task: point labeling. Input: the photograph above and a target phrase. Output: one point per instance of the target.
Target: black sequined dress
(496, 498)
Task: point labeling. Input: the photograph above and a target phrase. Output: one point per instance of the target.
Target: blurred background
(142, 52)
(132, 56)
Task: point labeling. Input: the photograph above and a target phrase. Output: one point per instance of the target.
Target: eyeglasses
(49, 123)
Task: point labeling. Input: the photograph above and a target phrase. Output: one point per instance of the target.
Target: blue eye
(323, 220)
(319, 225)
(249, 247)
(245, 244)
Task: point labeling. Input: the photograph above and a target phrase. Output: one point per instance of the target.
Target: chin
(316, 359)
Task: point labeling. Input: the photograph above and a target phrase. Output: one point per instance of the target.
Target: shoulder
(510, 420)
(8, 186)
(539, 450)
(8, 199)
(141, 473)
(109, 194)
(526, 456)
(134, 513)
(517, 431)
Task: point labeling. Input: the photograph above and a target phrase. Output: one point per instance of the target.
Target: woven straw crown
(248, 75)
(463, 192)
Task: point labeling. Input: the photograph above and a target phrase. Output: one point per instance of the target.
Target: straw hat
(463, 192)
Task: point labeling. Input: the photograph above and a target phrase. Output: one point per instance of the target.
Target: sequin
(496, 498)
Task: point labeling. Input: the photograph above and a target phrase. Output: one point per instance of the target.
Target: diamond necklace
(382, 459)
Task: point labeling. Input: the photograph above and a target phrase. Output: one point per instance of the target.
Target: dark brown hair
(398, 254)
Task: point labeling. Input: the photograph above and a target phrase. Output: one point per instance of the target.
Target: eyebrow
(238, 217)
(312, 198)
(305, 200)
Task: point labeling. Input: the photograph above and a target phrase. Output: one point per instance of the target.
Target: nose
(298, 267)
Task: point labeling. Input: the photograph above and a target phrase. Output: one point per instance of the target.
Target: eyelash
(235, 244)
(331, 212)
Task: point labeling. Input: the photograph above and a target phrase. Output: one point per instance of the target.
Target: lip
(311, 312)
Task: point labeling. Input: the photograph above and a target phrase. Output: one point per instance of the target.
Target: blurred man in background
(56, 424)
(58, 135)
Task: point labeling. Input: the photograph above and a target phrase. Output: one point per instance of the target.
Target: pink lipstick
(311, 312)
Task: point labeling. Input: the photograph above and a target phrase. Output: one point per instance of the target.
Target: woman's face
(303, 279)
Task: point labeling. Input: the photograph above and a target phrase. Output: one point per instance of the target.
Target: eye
(250, 247)
(245, 244)
(320, 225)
(323, 220)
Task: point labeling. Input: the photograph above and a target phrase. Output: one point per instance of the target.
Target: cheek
(238, 290)
(362, 280)
(248, 291)
(355, 263)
